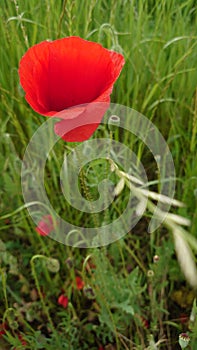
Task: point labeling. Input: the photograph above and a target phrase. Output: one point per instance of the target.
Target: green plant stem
(130, 251)
(3, 279)
(99, 266)
(86, 191)
(45, 308)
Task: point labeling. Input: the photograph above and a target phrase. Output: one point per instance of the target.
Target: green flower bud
(52, 265)
(13, 325)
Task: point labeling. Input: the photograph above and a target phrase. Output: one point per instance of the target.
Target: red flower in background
(3, 328)
(45, 226)
(79, 282)
(63, 300)
(22, 340)
(59, 75)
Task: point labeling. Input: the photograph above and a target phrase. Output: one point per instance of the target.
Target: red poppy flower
(79, 283)
(57, 76)
(45, 226)
(22, 340)
(3, 328)
(145, 322)
(183, 318)
(63, 300)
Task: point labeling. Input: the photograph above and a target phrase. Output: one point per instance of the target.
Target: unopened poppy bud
(156, 258)
(13, 325)
(184, 340)
(52, 265)
(113, 122)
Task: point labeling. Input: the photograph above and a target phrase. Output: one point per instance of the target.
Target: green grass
(124, 288)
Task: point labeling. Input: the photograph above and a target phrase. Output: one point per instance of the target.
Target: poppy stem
(45, 308)
(106, 174)
(86, 191)
(3, 281)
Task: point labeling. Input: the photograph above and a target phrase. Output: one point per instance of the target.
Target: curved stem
(45, 308)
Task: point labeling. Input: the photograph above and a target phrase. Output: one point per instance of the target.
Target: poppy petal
(63, 300)
(79, 283)
(45, 226)
(82, 126)
(33, 72)
(69, 72)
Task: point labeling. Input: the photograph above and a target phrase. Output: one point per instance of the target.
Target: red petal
(45, 226)
(63, 300)
(33, 72)
(79, 283)
(80, 72)
(3, 328)
(22, 340)
(68, 72)
(82, 126)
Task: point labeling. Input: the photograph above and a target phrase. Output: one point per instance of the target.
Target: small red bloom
(79, 283)
(22, 340)
(63, 300)
(59, 75)
(3, 328)
(45, 226)
(183, 318)
(145, 322)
